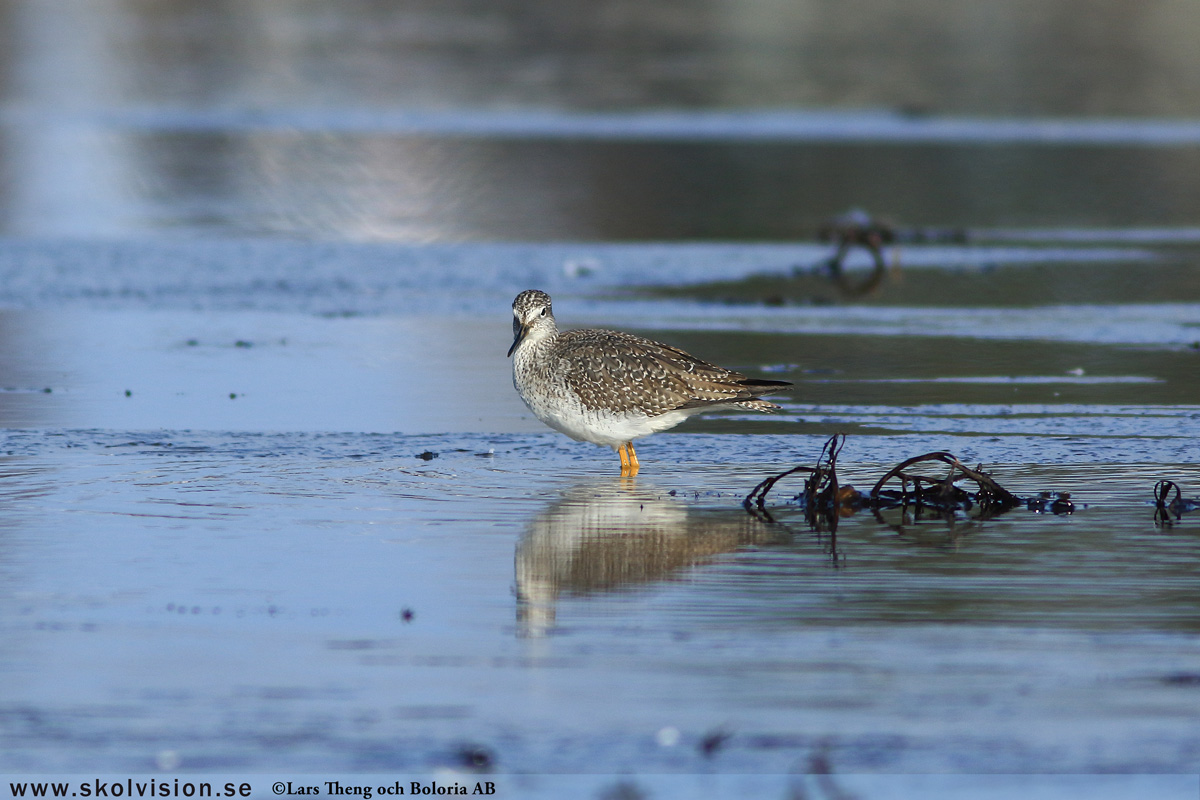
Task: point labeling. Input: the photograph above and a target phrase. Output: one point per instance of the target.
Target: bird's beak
(519, 332)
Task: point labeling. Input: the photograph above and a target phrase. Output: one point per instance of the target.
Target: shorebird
(609, 388)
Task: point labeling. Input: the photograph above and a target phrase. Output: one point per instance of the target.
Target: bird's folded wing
(622, 373)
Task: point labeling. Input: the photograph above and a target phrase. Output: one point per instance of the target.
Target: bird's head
(532, 315)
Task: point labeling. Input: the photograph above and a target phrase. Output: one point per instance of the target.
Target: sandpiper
(609, 388)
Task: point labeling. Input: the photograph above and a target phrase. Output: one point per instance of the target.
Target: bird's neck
(539, 335)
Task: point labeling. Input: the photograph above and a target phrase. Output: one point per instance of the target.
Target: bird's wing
(622, 373)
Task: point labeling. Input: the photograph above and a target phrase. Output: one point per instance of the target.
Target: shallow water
(394, 185)
(238, 582)
(540, 586)
(269, 504)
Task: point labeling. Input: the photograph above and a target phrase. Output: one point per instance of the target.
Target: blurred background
(1020, 58)
(613, 120)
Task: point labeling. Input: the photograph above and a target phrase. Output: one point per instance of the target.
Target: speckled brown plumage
(609, 387)
(622, 373)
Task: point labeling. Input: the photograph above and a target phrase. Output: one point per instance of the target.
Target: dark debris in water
(713, 741)
(26, 390)
(428, 455)
(1167, 512)
(1182, 679)
(1051, 502)
(474, 757)
(824, 499)
(622, 790)
(856, 228)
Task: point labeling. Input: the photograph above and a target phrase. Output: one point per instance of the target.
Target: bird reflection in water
(606, 535)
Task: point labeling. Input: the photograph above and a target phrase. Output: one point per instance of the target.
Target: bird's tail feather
(758, 405)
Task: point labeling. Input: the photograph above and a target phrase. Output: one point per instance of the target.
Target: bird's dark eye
(544, 310)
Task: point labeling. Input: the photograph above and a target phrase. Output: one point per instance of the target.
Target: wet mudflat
(245, 583)
(268, 502)
(333, 602)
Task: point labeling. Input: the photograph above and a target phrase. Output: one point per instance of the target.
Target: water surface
(269, 502)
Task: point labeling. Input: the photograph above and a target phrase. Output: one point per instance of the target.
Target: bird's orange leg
(634, 466)
(624, 460)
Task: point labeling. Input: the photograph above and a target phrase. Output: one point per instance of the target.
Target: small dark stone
(712, 742)
(428, 455)
(622, 790)
(475, 757)
(1182, 679)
